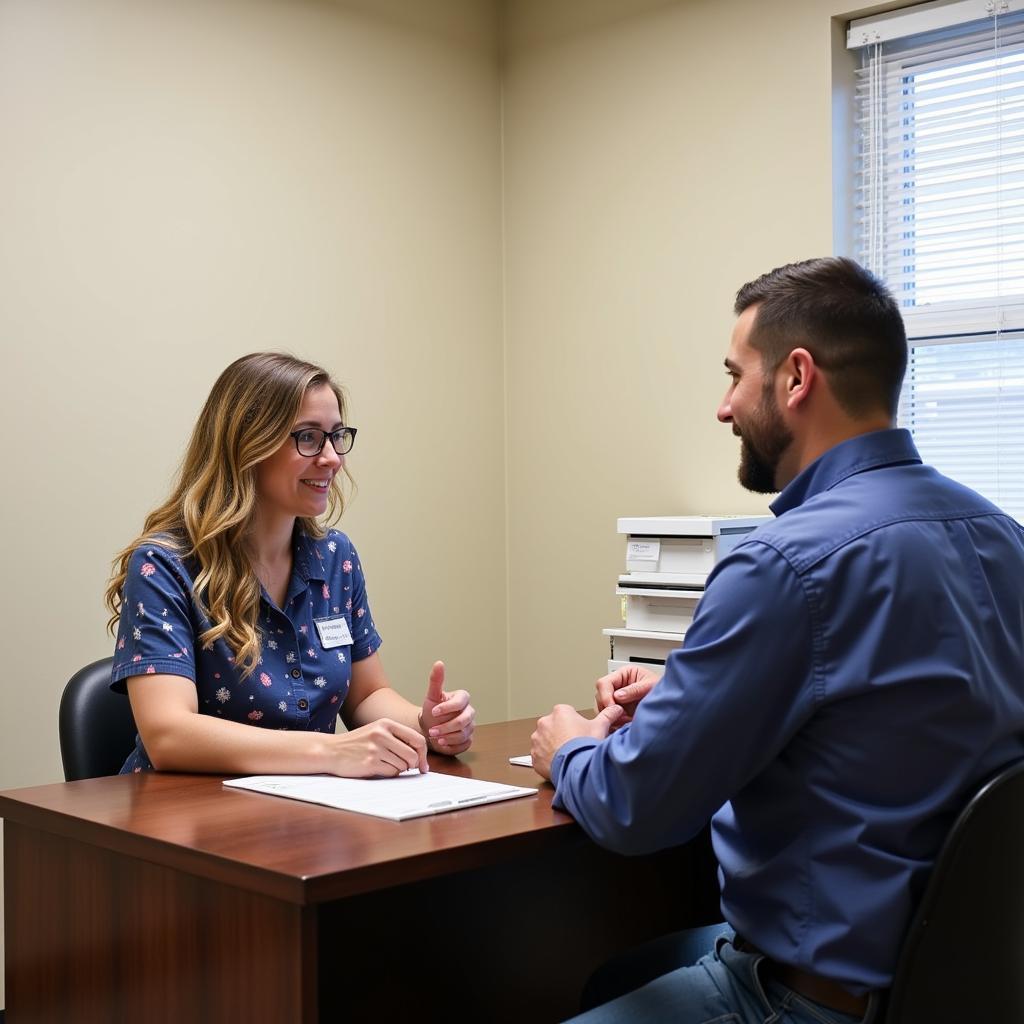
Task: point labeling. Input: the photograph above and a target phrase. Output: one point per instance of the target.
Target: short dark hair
(844, 316)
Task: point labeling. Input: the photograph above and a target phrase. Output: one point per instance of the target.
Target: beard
(764, 440)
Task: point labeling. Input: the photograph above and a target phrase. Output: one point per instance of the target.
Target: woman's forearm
(192, 742)
(385, 703)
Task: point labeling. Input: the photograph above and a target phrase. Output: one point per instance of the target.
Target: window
(940, 217)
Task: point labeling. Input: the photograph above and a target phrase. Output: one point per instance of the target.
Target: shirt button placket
(302, 704)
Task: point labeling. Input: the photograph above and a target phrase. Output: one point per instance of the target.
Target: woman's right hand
(381, 748)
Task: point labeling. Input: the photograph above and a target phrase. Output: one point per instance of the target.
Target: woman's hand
(447, 719)
(383, 748)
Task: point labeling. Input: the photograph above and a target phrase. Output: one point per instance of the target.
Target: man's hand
(625, 688)
(565, 723)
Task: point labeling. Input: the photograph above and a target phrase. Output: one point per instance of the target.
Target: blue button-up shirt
(304, 669)
(853, 671)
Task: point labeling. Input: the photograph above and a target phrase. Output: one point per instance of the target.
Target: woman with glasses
(242, 623)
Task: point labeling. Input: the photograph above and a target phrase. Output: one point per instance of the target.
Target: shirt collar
(308, 558)
(866, 451)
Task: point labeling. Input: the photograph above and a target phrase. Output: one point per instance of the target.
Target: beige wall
(657, 155)
(523, 269)
(184, 182)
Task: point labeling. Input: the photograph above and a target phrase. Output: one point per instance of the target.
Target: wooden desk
(166, 898)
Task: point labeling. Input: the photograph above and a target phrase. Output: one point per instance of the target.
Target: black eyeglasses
(310, 442)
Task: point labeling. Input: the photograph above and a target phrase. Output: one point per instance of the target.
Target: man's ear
(800, 373)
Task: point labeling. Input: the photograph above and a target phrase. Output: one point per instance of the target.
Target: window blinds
(940, 217)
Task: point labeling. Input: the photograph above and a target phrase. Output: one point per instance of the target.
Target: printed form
(410, 795)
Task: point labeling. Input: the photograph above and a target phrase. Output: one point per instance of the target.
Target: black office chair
(97, 730)
(963, 956)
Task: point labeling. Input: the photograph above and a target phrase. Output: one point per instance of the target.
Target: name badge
(333, 632)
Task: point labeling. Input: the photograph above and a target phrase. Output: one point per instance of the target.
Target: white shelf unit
(668, 561)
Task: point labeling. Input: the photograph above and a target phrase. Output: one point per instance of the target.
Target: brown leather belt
(822, 990)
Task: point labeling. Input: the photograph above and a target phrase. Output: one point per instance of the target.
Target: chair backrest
(963, 956)
(97, 730)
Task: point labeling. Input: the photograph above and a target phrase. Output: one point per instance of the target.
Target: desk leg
(95, 937)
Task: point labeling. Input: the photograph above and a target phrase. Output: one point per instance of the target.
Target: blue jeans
(722, 987)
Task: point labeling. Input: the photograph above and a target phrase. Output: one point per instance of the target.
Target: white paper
(522, 759)
(643, 550)
(410, 795)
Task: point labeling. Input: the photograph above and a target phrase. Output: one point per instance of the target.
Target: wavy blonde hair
(247, 417)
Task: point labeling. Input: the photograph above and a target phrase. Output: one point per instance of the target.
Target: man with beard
(854, 671)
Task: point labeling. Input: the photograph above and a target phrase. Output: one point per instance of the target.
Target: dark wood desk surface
(169, 898)
(298, 852)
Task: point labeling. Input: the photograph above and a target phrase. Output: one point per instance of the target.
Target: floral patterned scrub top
(309, 645)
